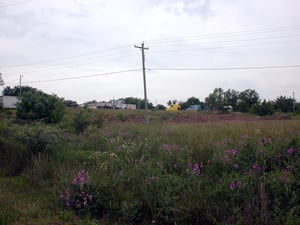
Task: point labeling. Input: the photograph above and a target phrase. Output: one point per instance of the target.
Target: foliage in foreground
(127, 173)
(251, 179)
(37, 105)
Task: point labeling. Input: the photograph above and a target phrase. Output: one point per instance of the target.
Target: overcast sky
(49, 42)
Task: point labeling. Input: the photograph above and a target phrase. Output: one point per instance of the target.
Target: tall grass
(197, 174)
(161, 173)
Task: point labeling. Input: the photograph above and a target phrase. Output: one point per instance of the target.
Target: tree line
(36, 104)
(247, 101)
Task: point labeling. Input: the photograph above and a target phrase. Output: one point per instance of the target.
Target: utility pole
(1, 80)
(144, 78)
(294, 102)
(21, 84)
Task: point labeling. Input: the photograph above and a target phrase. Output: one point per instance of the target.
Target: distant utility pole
(21, 84)
(294, 102)
(1, 80)
(144, 78)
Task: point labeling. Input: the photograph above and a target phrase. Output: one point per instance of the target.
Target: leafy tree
(15, 91)
(215, 100)
(142, 105)
(37, 105)
(71, 103)
(231, 98)
(135, 101)
(263, 109)
(284, 104)
(247, 98)
(174, 101)
(132, 100)
(190, 101)
(160, 107)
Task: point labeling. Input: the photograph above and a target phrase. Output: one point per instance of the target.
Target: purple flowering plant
(234, 185)
(78, 197)
(195, 168)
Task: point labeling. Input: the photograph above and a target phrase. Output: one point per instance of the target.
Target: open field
(107, 167)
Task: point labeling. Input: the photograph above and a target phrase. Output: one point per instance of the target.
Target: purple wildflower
(196, 168)
(77, 198)
(256, 168)
(290, 151)
(236, 166)
(81, 178)
(231, 152)
(265, 140)
(234, 184)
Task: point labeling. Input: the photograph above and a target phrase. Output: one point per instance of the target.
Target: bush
(36, 105)
(20, 145)
(263, 109)
(81, 121)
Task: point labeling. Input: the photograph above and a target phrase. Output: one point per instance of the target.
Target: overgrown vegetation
(35, 105)
(101, 167)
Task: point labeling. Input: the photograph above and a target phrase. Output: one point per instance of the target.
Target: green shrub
(20, 144)
(81, 121)
(38, 137)
(36, 105)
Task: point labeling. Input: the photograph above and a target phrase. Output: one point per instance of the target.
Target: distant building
(194, 108)
(99, 105)
(131, 106)
(8, 102)
(112, 104)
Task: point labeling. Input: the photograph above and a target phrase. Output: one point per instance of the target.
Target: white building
(9, 102)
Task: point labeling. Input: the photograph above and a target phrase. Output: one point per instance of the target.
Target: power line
(155, 41)
(235, 40)
(96, 59)
(226, 34)
(85, 76)
(67, 65)
(226, 68)
(13, 4)
(169, 69)
(66, 58)
(224, 47)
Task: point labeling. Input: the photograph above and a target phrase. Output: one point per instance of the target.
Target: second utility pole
(144, 78)
(21, 84)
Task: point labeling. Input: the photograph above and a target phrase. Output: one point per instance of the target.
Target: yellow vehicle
(174, 107)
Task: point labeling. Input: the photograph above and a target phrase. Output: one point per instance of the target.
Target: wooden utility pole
(294, 111)
(144, 78)
(1, 80)
(21, 84)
